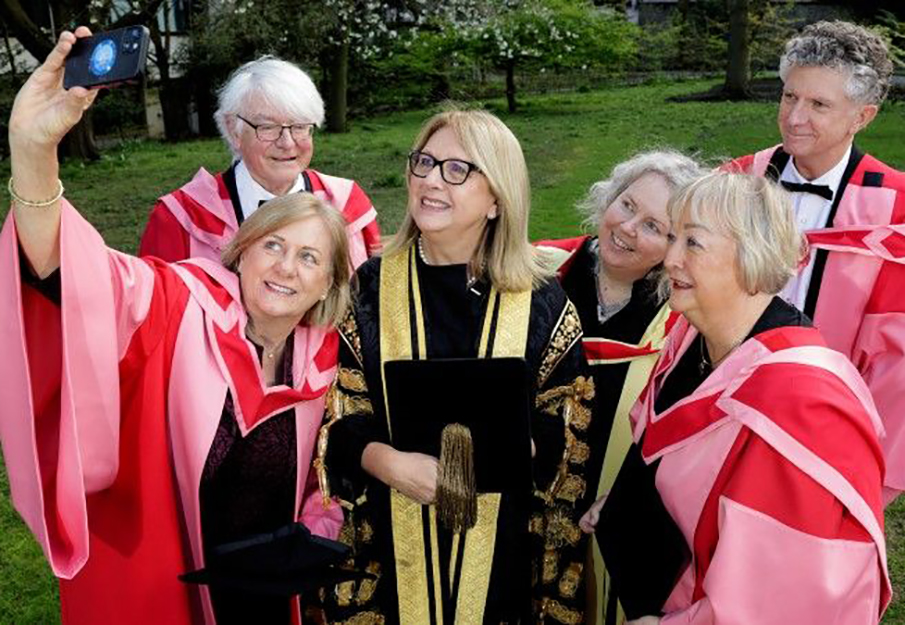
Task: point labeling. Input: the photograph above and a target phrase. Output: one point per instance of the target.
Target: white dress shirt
(811, 213)
(251, 194)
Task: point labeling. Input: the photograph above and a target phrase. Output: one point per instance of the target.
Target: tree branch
(145, 14)
(24, 30)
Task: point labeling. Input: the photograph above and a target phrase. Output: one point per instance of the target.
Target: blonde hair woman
(760, 441)
(462, 269)
(173, 408)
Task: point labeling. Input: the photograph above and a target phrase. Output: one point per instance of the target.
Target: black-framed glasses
(272, 132)
(452, 170)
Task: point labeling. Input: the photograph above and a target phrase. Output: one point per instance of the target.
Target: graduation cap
(643, 549)
(474, 415)
(289, 561)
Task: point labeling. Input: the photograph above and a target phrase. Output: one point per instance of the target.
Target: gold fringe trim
(457, 499)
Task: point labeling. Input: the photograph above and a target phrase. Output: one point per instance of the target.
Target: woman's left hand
(588, 522)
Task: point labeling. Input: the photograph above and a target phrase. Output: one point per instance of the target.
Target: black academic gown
(538, 553)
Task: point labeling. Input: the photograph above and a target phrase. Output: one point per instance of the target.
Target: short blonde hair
(757, 214)
(284, 211)
(505, 254)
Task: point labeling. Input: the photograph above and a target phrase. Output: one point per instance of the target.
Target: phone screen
(107, 58)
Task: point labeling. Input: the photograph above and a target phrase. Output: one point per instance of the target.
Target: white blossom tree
(550, 34)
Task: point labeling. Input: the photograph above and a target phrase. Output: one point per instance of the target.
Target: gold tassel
(457, 499)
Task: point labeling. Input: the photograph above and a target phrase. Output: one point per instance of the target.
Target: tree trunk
(685, 42)
(174, 95)
(337, 87)
(510, 86)
(738, 69)
(79, 142)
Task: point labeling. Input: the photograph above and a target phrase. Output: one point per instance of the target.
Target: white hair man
(851, 208)
(267, 113)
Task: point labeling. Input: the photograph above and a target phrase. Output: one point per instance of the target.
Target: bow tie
(806, 187)
(261, 202)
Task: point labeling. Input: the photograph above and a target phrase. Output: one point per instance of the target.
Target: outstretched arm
(42, 114)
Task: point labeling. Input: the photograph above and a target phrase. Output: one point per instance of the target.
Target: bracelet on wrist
(18, 199)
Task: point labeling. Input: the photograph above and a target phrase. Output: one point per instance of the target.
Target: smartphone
(107, 58)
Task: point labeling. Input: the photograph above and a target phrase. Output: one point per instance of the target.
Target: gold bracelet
(22, 201)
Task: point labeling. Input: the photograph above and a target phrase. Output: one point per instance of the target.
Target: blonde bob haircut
(284, 211)
(504, 252)
(756, 214)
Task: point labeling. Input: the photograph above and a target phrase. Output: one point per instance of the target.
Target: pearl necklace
(470, 279)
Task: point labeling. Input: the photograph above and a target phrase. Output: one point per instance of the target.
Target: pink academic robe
(860, 307)
(772, 471)
(198, 220)
(110, 406)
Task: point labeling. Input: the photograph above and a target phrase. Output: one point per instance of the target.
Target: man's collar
(251, 194)
(831, 178)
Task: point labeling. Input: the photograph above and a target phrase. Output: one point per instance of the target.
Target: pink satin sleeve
(59, 451)
(766, 572)
(879, 354)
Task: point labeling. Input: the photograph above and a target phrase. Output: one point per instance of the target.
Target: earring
(324, 296)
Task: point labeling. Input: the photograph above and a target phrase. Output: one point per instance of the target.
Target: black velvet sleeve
(355, 415)
(351, 422)
(560, 425)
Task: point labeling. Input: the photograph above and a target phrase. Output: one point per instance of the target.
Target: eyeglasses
(452, 170)
(272, 132)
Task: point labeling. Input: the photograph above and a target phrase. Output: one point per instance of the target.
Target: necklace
(421, 251)
(707, 364)
(470, 279)
(269, 354)
(604, 310)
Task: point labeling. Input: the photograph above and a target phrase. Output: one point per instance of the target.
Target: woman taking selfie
(177, 409)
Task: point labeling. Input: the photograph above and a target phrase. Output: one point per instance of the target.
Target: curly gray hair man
(835, 77)
(847, 48)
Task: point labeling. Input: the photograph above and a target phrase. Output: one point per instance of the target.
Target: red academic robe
(198, 220)
(859, 307)
(772, 471)
(107, 424)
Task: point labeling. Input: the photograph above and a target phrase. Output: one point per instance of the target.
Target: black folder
(490, 396)
(290, 561)
(644, 550)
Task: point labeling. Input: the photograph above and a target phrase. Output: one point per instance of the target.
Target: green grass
(570, 140)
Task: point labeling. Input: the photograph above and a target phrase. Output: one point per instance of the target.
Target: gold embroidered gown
(519, 563)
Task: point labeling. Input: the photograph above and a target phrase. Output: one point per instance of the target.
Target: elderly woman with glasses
(753, 491)
(614, 278)
(156, 412)
(267, 113)
(460, 280)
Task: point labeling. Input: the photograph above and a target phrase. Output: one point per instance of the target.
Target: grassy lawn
(570, 140)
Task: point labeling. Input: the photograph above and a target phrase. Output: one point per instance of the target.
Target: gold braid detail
(570, 580)
(338, 404)
(365, 618)
(560, 530)
(566, 333)
(352, 379)
(348, 330)
(559, 612)
(568, 399)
